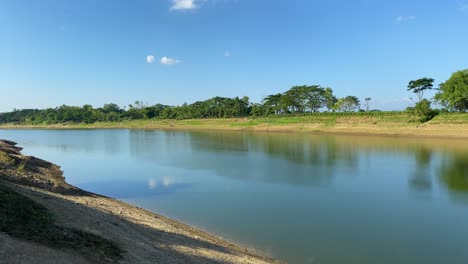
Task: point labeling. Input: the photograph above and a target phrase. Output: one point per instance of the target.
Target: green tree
(330, 99)
(453, 94)
(293, 101)
(258, 110)
(423, 110)
(272, 103)
(109, 108)
(314, 97)
(420, 86)
(368, 99)
(136, 111)
(348, 104)
(304, 98)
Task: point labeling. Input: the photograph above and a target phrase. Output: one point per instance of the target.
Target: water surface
(301, 198)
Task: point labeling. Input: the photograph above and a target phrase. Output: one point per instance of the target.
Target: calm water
(300, 198)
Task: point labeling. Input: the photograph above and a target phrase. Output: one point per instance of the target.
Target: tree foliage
(453, 94)
(424, 111)
(330, 99)
(348, 104)
(420, 86)
(296, 100)
(368, 99)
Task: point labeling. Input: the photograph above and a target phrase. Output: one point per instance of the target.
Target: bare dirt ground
(346, 126)
(143, 236)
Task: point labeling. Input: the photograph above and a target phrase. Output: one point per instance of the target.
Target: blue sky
(55, 52)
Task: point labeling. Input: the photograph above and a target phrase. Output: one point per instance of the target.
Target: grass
(452, 118)
(5, 159)
(22, 166)
(23, 218)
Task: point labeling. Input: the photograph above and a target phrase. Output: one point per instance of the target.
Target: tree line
(298, 99)
(452, 95)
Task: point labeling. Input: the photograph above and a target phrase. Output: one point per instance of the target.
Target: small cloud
(150, 59)
(184, 4)
(168, 61)
(404, 18)
(227, 54)
(181, 5)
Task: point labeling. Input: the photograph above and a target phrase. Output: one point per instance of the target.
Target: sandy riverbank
(143, 237)
(443, 126)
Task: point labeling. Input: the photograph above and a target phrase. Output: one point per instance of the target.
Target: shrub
(424, 111)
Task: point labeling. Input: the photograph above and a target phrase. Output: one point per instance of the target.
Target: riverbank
(65, 224)
(453, 125)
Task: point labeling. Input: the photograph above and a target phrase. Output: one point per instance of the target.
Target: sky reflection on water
(331, 199)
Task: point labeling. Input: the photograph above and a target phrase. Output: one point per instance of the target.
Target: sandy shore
(143, 236)
(441, 128)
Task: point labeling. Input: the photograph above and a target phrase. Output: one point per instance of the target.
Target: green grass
(331, 119)
(451, 118)
(248, 123)
(23, 218)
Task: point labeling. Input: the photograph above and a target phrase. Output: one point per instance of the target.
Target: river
(300, 198)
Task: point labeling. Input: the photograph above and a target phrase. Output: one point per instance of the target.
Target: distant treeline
(298, 99)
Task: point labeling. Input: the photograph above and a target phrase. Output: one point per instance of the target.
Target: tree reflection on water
(454, 172)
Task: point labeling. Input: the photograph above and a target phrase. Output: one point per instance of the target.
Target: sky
(55, 52)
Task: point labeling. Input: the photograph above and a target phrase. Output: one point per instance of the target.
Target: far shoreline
(437, 128)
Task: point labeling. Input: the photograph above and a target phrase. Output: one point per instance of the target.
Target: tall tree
(348, 104)
(330, 99)
(109, 108)
(314, 97)
(293, 100)
(453, 94)
(368, 99)
(420, 86)
(272, 103)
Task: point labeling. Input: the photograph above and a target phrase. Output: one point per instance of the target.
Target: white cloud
(181, 5)
(184, 4)
(150, 59)
(227, 54)
(404, 18)
(168, 61)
